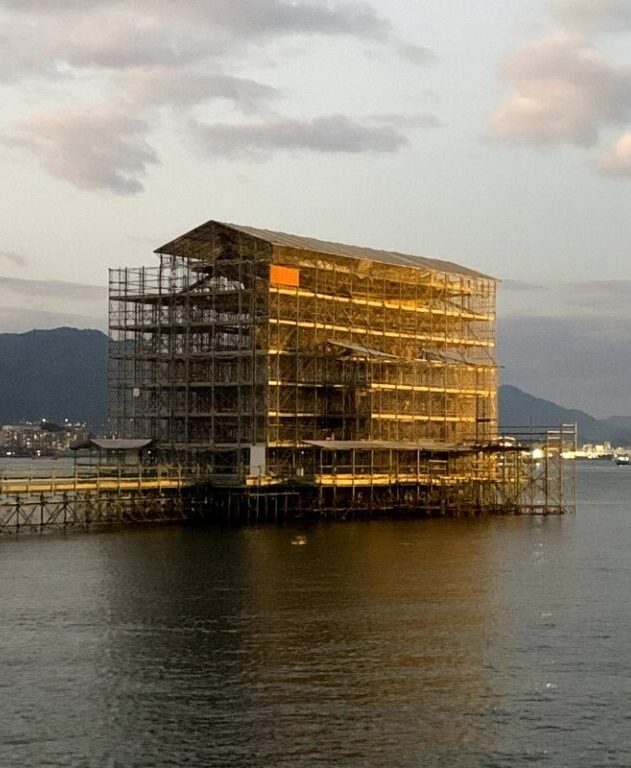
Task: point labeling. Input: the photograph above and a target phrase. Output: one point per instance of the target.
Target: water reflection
(430, 643)
(364, 644)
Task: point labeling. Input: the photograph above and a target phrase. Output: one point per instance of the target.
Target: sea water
(488, 642)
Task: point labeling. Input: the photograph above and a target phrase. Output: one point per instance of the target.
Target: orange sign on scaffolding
(287, 276)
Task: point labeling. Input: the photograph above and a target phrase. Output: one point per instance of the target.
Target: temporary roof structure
(192, 244)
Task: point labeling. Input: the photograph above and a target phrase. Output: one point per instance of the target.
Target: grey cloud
(418, 120)
(53, 289)
(39, 6)
(92, 150)
(599, 299)
(104, 39)
(568, 342)
(253, 17)
(260, 17)
(14, 258)
(26, 304)
(593, 298)
(153, 53)
(182, 87)
(417, 54)
(600, 289)
(16, 319)
(565, 92)
(152, 32)
(577, 361)
(613, 15)
(518, 285)
(334, 134)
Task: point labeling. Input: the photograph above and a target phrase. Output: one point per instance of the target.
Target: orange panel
(284, 276)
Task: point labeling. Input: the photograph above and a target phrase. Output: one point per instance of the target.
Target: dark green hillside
(53, 374)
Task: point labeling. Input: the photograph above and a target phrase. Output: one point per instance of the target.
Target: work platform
(46, 495)
(524, 473)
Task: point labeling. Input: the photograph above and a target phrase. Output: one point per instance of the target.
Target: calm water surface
(502, 642)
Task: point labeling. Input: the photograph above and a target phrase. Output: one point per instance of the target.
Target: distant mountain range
(55, 375)
(62, 374)
(518, 408)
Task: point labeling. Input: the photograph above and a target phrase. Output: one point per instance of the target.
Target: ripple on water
(499, 642)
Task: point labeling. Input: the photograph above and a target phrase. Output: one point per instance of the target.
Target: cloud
(598, 290)
(264, 17)
(152, 56)
(39, 6)
(52, 289)
(418, 120)
(563, 359)
(599, 299)
(157, 86)
(616, 161)
(15, 259)
(16, 319)
(332, 134)
(417, 54)
(27, 304)
(118, 34)
(556, 341)
(97, 42)
(519, 285)
(592, 298)
(613, 15)
(93, 150)
(565, 92)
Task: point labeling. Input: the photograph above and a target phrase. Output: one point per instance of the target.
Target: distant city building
(595, 451)
(40, 438)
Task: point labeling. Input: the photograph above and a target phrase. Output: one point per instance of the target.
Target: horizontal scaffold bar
(379, 416)
(423, 480)
(409, 306)
(445, 338)
(386, 387)
(40, 485)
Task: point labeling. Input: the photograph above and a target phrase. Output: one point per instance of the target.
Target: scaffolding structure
(313, 374)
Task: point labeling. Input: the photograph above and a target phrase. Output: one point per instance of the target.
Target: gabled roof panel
(283, 239)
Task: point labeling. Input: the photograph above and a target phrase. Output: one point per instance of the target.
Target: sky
(496, 135)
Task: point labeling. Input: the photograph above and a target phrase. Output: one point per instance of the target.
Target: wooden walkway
(59, 496)
(45, 497)
(54, 485)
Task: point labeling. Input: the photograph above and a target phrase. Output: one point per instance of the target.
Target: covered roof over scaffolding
(194, 243)
(113, 444)
(433, 446)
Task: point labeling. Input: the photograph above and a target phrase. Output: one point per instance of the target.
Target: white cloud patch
(103, 39)
(565, 92)
(156, 55)
(616, 161)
